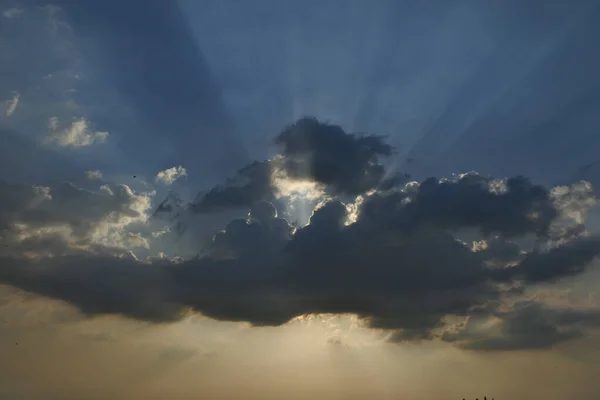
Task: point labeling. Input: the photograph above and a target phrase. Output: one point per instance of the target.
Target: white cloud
(168, 176)
(12, 104)
(13, 12)
(78, 134)
(93, 175)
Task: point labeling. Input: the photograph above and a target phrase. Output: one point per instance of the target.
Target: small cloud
(56, 19)
(136, 239)
(335, 341)
(78, 134)
(168, 176)
(12, 104)
(93, 175)
(53, 123)
(13, 12)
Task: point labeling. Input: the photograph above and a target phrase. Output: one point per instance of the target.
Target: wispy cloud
(170, 175)
(12, 104)
(13, 12)
(78, 134)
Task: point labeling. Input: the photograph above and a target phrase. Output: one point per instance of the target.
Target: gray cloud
(252, 184)
(44, 221)
(399, 266)
(509, 207)
(566, 260)
(344, 163)
(528, 324)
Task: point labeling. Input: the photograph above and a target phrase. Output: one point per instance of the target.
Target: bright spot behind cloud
(170, 175)
(78, 134)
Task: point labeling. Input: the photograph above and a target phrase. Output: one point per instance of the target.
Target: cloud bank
(450, 259)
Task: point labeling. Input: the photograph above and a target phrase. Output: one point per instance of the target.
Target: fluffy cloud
(406, 259)
(78, 134)
(406, 280)
(37, 221)
(93, 174)
(170, 175)
(346, 163)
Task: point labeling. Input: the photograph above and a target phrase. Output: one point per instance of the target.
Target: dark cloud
(568, 259)
(498, 251)
(391, 255)
(252, 184)
(265, 233)
(529, 324)
(344, 163)
(398, 276)
(509, 207)
(98, 284)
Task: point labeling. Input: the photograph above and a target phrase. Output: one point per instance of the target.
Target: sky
(234, 199)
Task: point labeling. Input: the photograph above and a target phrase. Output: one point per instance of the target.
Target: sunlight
(138, 134)
(300, 196)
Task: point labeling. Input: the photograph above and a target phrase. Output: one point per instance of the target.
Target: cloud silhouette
(346, 163)
(343, 163)
(402, 258)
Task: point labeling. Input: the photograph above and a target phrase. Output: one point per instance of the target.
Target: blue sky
(441, 83)
(107, 108)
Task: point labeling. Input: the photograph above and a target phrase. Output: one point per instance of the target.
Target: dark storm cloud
(471, 201)
(498, 250)
(398, 267)
(566, 260)
(97, 285)
(344, 163)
